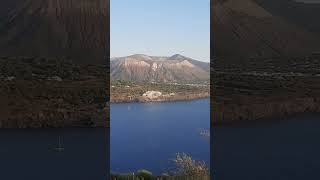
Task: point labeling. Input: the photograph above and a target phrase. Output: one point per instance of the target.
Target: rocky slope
(299, 12)
(265, 65)
(244, 28)
(77, 29)
(143, 68)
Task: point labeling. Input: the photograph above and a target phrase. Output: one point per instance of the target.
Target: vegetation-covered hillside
(40, 92)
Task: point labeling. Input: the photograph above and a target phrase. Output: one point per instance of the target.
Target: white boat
(60, 147)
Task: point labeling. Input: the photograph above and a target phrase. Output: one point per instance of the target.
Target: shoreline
(129, 91)
(178, 99)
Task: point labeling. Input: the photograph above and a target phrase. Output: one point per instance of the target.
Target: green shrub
(145, 174)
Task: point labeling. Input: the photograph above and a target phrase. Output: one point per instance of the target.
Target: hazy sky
(160, 28)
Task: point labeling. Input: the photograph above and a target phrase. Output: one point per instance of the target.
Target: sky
(160, 28)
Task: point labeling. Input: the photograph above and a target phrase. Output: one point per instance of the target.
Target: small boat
(59, 147)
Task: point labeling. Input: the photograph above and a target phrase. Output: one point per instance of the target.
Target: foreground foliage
(186, 169)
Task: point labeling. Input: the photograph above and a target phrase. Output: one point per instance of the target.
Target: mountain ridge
(144, 68)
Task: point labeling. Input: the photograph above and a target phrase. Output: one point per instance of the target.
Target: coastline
(171, 99)
(130, 91)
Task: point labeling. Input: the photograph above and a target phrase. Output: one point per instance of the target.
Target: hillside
(266, 61)
(244, 28)
(52, 93)
(143, 68)
(303, 14)
(76, 29)
(53, 67)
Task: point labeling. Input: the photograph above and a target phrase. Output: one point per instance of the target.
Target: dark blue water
(148, 135)
(28, 154)
(280, 150)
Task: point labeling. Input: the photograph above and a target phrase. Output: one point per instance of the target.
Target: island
(130, 91)
(145, 78)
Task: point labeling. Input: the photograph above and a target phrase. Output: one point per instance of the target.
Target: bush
(145, 174)
(187, 168)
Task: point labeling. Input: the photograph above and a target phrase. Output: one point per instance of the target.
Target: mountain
(244, 29)
(75, 29)
(143, 68)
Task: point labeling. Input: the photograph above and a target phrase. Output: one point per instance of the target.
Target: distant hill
(76, 29)
(247, 29)
(143, 68)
